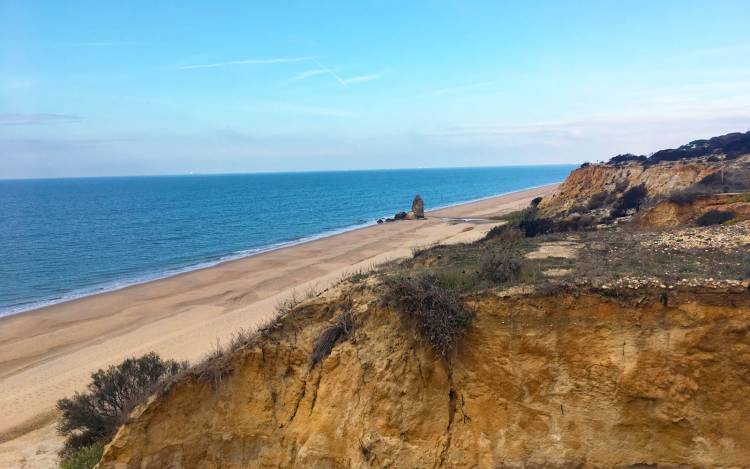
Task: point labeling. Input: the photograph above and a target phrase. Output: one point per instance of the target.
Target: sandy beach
(49, 353)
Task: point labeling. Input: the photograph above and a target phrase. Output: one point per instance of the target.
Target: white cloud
(309, 73)
(361, 79)
(36, 118)
(346, 81)
(102, 44)
(249, 62)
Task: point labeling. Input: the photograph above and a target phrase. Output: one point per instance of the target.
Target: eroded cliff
(540, 380)
(659, 180)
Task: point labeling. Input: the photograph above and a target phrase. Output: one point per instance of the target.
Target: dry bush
(340, 330)
(503, 233)
(241, 339)
(497, 231)
(687, 196)
(439, 314)
(217, 363)
(502, 265)
(599, 200)
(92, 417)
(534, 226)
(287, 305)
(418, 251)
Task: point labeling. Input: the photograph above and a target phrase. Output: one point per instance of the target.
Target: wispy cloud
(37, 118)
(279, 60)
(362, 78)
(102, 44)
(603, 123)
(322, 69)
(309, 73)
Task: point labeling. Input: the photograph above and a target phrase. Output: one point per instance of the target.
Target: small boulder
(400, 216)
(417, 207)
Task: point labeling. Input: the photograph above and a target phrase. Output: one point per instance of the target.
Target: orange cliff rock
(560, 380)
(659, 179)
(668, 213)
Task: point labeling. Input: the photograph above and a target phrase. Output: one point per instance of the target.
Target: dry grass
(439, 314)
(339, 331)
(501, 265)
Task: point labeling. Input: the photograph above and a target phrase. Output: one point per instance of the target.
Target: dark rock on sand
(417, 207)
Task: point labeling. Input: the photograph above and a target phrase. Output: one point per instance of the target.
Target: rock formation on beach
(417, 207)
(416, 212)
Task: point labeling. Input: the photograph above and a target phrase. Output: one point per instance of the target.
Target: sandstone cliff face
(540, 381)
(659, 179)
(668, 213)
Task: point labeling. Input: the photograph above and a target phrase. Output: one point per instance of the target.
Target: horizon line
(240, 173)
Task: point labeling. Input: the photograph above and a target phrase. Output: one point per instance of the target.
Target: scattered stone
(400, 216)
(709, 237)
(563, 249)
(556, 272)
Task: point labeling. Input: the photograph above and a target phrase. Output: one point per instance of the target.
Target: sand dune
(49, 353)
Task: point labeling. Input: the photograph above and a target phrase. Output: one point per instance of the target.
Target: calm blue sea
(66, 238)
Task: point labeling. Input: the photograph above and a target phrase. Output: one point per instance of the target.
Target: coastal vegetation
(88, 420)
(432, 305)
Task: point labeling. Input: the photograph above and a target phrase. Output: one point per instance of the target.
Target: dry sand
(49, 353)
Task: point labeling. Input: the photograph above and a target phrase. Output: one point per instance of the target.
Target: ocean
(66, 238)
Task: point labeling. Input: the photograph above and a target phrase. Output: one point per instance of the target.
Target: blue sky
(118, 88)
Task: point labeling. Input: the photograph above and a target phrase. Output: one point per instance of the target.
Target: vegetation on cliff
(88, 420)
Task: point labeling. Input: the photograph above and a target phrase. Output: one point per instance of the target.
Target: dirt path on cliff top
(49, 353)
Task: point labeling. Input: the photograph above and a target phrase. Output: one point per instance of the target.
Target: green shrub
(438, 313)
(92, 417)
(460, 281)
(83, 458)
(714, 217)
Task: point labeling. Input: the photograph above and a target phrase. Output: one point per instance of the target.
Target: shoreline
(49, 353)
(117, 285)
